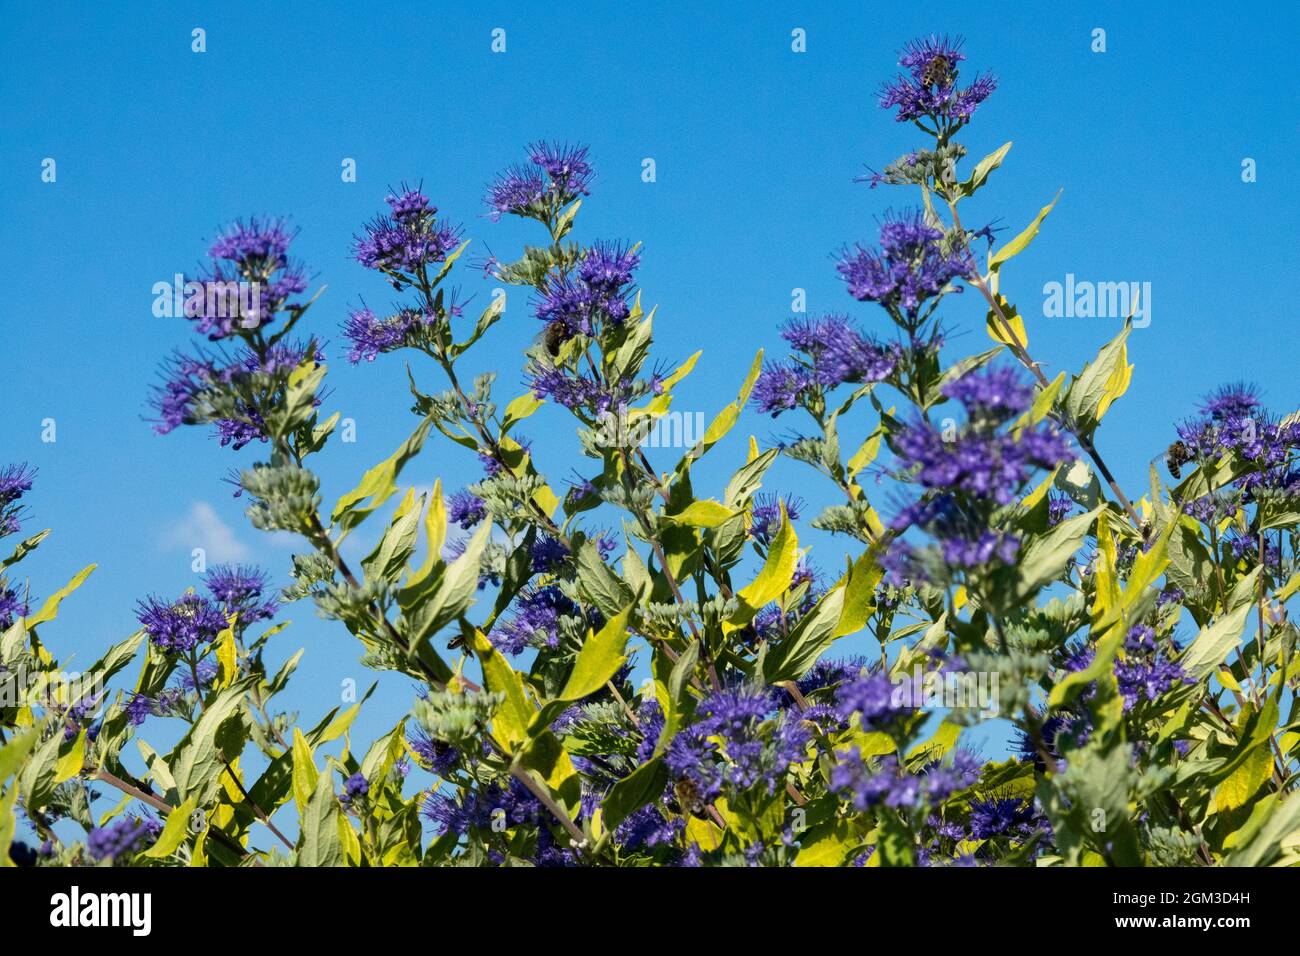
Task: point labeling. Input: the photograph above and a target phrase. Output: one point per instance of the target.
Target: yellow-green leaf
(1021, 241)
(50, 609)
(599, 660)
(70, 763)
(173, 831)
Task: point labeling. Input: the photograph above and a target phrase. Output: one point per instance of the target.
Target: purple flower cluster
(648, 827)
(239, 590)
(433, 755)
(249, 281)
(120, 838)
(875, 699)
(370, 335)
(890, 784)
(739, 739)
(981, 462)
(765, 518)
(536, 622)
(192, 385)
(478, 809)
(1013, 818)
(466, 509)
(408, 240)
(555, 175)
(1143, 671)
(548, 554)
(930, 90)
(355, 788)
(177, 627)
(15, 481)
(600, 291)
(835, 352)
(576, 391)
(1058, 509)
(910, 266)
(12, 605)
(1234, 422)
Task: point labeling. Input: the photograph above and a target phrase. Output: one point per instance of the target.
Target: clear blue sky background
(756, 149)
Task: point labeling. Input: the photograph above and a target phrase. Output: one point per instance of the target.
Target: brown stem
(163, 806)
(261, 814)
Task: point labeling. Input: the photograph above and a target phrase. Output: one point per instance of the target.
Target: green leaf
(318, 842)
(389, 557)
(305, 773)
(71, 762)
(777, 573)
(643, 785)
(859, 595)
(598, 585)
(173, 832)
(1265, 846)
(1021, 241)
(705, 513)
(599, 659)
(1215, 642)
(725, 419)
(378, 484)
(13, 753)
(519, 409)
(511, 721)
(827, 844)
(200, 758)
(799, 650)
(1046, 556)
(435, 533)
(982, 169)
(1102, 381)
(50, 609)
(24, 548)
(37, 778)
(454, 595)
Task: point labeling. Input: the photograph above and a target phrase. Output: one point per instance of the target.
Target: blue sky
(756, 149)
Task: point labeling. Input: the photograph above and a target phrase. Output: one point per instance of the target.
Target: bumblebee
(554, 336)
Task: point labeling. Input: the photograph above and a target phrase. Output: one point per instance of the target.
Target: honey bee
(1177, 455)
(689, 797)
(938, 72)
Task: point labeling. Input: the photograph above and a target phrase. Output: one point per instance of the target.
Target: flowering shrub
(1138, 651)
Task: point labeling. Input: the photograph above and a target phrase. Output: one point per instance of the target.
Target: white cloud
(202, 528)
